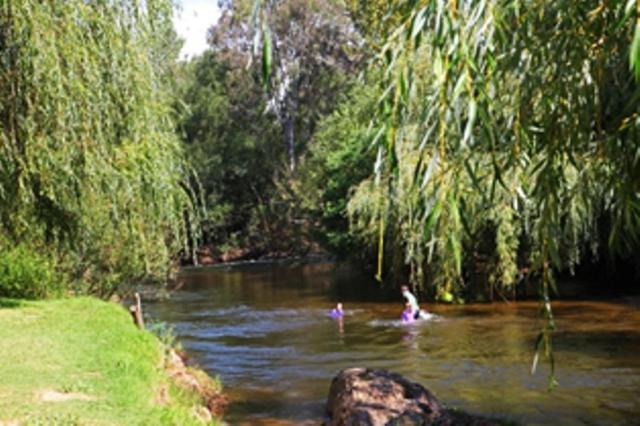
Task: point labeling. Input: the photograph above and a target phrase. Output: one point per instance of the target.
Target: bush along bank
(82, 361)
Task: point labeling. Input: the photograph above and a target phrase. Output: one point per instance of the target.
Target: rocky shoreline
(213, 402)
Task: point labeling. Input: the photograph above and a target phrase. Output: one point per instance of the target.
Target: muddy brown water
(264, 330)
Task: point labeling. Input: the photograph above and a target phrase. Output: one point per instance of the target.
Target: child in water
(337, 312)
(408, 315)
(411, 301)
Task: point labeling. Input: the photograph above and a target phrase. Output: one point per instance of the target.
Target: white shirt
(412, 300)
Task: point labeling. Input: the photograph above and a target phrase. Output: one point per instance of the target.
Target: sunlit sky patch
(192, 20)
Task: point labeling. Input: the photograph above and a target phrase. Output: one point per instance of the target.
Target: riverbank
(82, 361)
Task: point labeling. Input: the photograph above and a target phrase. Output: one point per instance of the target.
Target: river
(264, 330)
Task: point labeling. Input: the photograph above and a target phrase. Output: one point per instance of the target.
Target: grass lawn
(81, 361)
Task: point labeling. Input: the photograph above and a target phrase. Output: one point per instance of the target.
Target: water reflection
(410, 336)
(266, 331)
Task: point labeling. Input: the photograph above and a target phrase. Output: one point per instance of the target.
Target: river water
(264, 330)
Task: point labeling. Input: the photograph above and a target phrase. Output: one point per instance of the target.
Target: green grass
(83, 345)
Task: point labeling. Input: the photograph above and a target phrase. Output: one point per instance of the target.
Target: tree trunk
(288, 140)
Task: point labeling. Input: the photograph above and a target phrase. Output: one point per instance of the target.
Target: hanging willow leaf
(433, 163)
(536, 348)
(266, 56)
(473, 106)
(456, 247)
(418, 22)
(255, 24)
(634, 51)
(432, 218)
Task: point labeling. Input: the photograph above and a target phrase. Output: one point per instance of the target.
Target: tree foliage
(533, 100)
(375, 19)
(91, 171)
(232, 145)
(516, 117)
(233, 129)
(305, 46)
(339, 158)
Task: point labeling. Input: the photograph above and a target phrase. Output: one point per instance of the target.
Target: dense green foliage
(25, 273)
(512, 122)
(376, 19)
(89, 348)
(90, 167)
(492, 128)
(234, 130)
(339, 158)
(306, 47)
(233, 148)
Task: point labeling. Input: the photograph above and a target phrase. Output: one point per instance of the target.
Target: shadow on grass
(10, 303)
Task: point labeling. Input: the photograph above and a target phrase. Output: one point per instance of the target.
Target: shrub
(25, 273)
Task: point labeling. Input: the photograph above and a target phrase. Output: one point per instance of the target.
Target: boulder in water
(364, 397)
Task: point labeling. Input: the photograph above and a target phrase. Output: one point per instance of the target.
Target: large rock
(363, 397)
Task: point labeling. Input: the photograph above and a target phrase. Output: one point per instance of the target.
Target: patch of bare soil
(55, 396)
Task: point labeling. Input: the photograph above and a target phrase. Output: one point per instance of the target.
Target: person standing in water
(407, 315)
(337, 312)
(411, 300)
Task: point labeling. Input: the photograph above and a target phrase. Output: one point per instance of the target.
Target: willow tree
(519, 118)
(90, 169)
(513, 119)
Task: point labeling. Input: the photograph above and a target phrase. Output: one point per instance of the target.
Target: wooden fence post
(136, 312)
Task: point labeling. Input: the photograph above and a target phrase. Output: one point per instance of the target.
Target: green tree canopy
(528, 109)
(232, 145)
(91, 171)
(308, 46)
(513, 120)
(340, 157)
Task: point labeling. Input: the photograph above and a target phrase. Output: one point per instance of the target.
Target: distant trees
(340, 157)
(91, 171)
(311, 45)
(233, 125)
(232, 146)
